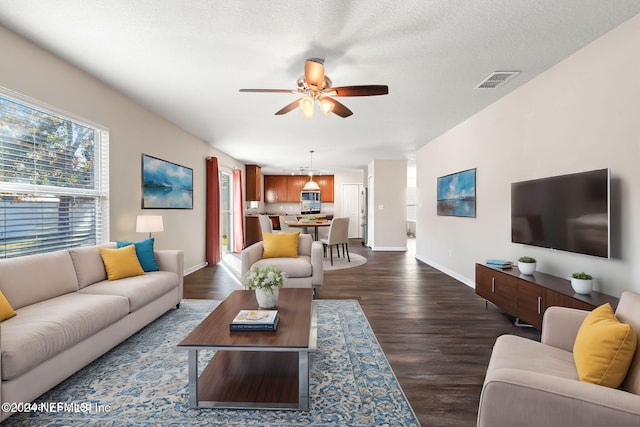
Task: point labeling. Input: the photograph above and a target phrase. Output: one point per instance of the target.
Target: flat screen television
(567, 212)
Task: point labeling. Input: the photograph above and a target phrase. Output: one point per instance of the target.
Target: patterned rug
(143, 381)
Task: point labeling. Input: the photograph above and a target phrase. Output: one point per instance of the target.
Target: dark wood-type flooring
(435, 331)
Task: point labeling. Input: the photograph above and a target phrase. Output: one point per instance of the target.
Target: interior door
(351, 208)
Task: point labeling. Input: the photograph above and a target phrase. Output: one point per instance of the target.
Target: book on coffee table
(255, 320)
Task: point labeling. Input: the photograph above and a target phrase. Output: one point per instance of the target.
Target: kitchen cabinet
(326, 187)
(253, 231)
(527, 297)
(287, 188)
(275, 189)
(294, 187)
(254, 183)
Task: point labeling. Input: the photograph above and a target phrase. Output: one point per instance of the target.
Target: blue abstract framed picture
(457, 194)
(166, 185)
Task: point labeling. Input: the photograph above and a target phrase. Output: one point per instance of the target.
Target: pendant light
(311, 184)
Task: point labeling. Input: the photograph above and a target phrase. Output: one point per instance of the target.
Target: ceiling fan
(315, 86)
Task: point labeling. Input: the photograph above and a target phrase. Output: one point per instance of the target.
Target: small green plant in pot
(582, 282)
(527, 265)
(266, 281)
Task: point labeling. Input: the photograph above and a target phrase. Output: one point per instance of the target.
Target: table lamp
(149, 224)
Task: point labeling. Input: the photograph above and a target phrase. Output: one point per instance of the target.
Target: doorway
(226, 212)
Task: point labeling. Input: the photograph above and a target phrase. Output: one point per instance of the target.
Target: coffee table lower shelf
(250, 380)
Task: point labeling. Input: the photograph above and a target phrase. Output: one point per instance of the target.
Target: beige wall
(582, 114)
(134, 130)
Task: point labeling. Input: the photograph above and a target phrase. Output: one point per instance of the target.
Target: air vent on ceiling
(497, 79)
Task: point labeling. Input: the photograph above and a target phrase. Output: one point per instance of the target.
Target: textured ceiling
(186, 60)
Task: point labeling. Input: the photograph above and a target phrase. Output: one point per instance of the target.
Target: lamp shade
(149, 224)
(311, 185)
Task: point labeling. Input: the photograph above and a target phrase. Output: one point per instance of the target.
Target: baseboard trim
(389, 248)
(195, 268)
(470, 283)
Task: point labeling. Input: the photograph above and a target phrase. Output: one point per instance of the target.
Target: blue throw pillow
(144, 251)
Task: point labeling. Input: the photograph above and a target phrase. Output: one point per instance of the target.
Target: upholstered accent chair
(537, 383)
(303, 270)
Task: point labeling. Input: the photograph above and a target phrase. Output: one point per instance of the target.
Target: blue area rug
(143, 381)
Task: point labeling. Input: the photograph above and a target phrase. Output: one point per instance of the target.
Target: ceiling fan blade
(295, 104)
(270, 90)
(314, 72)
(365, 90)
(339, 108)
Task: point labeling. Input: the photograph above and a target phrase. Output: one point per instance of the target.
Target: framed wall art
(166, 185)
(457, 194)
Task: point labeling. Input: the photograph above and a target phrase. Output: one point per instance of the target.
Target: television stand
(527, 297)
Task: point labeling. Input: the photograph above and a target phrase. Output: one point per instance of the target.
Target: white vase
(527, 268)
(582, 286)
(267, 298)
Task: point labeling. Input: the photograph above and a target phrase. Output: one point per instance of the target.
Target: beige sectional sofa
(69, 314)
(530, 383)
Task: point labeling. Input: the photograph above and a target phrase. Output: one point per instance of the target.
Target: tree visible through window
(53, 180)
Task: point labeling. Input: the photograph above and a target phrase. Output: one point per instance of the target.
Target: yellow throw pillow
(280, 245)
(604, 348)
(121, 263)
(6, 311)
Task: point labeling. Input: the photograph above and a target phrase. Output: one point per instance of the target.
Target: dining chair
(283, 222)
(265, 224)
(338, 235)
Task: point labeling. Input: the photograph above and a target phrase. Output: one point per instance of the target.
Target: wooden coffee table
(254, 370)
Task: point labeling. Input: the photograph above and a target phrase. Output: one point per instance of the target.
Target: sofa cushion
(604, 348)
(280, 245)
(121, 263)
(88, 264)
(6, 311)
(42, 330)
(144, 252)
(140, 290)
(33, 278)
(515, 352)
(293, 267)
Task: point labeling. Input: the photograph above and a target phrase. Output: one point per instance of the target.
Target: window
(54, 179)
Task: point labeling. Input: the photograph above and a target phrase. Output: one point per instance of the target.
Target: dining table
(306, 224)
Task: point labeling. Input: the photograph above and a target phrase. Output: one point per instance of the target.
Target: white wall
(388, 201)
(581, 114)
(134, 130)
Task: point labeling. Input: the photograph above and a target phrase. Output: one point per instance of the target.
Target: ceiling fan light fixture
(307, 105)
(326, 106)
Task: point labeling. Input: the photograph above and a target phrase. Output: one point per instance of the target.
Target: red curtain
(238, 212)
(213, 212)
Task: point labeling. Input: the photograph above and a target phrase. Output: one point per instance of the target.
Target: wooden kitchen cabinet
(254, 183)
(275, 189)
(253, 231)
(294, 187)
(326, 187)
(527, 297)
(287, 188)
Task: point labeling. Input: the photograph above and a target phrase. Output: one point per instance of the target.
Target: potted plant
(527, 265)
(266, 281)
(582, 283)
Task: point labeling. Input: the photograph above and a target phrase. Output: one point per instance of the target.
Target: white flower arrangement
(265, 278)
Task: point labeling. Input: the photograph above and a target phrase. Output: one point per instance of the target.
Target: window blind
(53, 179)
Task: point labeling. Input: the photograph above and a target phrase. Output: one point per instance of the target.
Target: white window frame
(100, 190)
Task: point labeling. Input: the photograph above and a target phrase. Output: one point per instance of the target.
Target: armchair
(305, 271)
(536, 383)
